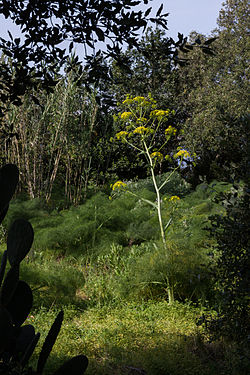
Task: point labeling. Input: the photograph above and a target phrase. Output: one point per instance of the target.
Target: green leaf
(19, 241)
(5, 329)
(209, 41)
(75, 366)
(21, 303)
(100, 34)
(3, 265)
(147, 12)
(29, 351)
(9, 285)
(9, 175)
(159, 11)
(49, 342)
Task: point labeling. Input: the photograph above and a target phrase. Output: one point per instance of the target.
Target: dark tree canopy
(45, 24)
(50, 22)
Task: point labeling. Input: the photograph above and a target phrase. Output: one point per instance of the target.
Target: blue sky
(190, 15)
(185, 16)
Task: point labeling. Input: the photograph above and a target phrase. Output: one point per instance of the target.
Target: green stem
(168, 178)
(131, 144)
(170, 291)
(170, 287)
(143, 199)
(157, 193)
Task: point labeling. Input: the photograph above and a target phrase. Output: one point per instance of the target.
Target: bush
(232, 277)
(175, 186)
(25, 209)
(119, 242)
(183, 265)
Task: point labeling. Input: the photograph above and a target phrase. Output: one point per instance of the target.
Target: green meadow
(103, 264)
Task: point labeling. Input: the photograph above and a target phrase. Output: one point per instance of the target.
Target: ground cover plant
(150, 337)
(119, 339)
(117, 243)
(114, 296)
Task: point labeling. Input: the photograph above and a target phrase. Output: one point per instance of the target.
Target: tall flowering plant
(142, 124)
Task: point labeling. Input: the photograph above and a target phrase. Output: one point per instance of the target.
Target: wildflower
(128, 100)
(174, 198)
(182, 154)
(30, 317)
(141, 119)
(119, 185)
(170, 131)
(138, 99)
(159, 113)
(126, 115)
(153, 101)
(140, 130)
(121, 135)
(157, 155)
(153, 113)
(141, 101)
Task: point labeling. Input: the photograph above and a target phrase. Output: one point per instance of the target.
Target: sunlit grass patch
(153, 337)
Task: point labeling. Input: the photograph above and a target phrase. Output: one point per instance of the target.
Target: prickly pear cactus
(18, 341)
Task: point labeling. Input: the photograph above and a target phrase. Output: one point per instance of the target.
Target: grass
(98, 222)
(122, 337)
(152, 337)
(113, 297)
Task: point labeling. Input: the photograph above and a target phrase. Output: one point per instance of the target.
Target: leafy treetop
(46, 24)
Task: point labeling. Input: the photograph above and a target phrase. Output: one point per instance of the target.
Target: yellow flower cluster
(159, 113)
(128, 100)
(170, 131)
(157, 155)
(182, 154)
(174, 198)
(119, 185)
(126, 115)
(140, 130)
(138, 99)
(121, 135)
(141, 120)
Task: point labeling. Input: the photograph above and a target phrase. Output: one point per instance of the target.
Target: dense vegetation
(139, 296)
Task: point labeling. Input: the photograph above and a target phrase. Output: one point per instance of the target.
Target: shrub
(232, 275)
(25, 209)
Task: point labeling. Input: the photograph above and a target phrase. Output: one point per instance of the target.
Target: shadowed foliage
(18, 342)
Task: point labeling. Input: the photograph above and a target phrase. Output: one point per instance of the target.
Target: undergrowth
(125, 220)
(103, 264)
(149, 338)
(112, 248)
